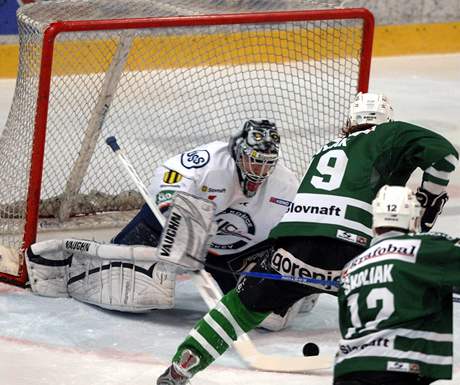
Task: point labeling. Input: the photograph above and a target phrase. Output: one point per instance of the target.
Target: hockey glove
(432, 206)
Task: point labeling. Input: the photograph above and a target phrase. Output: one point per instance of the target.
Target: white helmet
(396, 206)
(370, 109)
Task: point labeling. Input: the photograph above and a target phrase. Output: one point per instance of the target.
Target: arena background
(48, 341)
(402, 28)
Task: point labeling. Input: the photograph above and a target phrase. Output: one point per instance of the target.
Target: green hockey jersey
(395, 306)
(335, 196)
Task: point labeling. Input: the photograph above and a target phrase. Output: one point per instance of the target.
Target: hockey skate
(179, 373)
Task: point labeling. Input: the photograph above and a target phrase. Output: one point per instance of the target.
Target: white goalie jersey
(210, 172)
(136, 278)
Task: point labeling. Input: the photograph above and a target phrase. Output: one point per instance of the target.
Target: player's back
(334, 198)
(395, 304)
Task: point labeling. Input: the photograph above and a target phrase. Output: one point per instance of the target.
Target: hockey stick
(290, 278)
(275, 277)
(212, 294)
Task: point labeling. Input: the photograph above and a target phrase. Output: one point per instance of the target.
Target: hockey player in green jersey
(395, 300)
(327, 224)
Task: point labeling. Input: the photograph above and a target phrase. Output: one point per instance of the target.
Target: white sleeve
(186, 172)
(165, 182)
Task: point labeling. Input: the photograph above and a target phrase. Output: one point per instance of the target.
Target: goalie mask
(255, 150)
(396, 207)
(368, 110)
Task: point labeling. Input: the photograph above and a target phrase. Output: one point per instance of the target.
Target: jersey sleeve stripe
(438, 174)
(452, 159)
(432, 179)
(433, 188)
(444, 164)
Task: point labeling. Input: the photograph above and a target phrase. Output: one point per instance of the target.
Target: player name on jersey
(396, 306)
(376, 274)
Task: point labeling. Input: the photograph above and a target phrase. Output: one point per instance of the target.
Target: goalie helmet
(368, 110)
(256, 150)
(396, 207)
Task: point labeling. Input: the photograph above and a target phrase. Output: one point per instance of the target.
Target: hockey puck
(310, 349)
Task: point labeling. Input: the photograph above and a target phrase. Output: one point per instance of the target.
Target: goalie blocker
(120, 277)
(187, 232)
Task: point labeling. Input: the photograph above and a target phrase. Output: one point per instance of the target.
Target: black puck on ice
(310, 349)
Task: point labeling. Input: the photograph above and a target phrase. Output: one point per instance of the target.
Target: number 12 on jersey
(377, 297)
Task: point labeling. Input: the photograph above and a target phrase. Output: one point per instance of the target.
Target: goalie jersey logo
(235, 229)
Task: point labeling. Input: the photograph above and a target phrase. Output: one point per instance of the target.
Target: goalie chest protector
(210, 172)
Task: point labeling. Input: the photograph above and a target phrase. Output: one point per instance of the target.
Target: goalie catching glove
(432, 206)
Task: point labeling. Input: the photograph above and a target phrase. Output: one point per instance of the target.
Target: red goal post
(162, 84)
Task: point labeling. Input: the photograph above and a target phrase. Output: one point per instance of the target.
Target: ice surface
(45, 341)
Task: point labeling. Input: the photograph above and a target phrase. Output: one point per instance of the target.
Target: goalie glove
(432, 206)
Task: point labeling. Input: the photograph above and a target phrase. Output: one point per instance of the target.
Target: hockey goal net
(162, 77)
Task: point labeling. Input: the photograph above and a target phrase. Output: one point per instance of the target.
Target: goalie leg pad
(122, 285)
(278, 321)
(309, 302)
(48, 264)
(119, 277)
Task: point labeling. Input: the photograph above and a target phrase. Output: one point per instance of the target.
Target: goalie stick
(211, 294)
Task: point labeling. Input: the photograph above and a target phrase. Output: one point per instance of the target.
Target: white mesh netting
(168, 88)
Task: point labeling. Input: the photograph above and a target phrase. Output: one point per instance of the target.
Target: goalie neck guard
(256, 150)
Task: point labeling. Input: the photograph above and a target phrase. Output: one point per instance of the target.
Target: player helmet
(368, 110)
(255, 149)
(396, 207)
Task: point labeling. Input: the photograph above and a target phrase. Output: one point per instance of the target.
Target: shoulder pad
(438, 234)
(191, 161)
